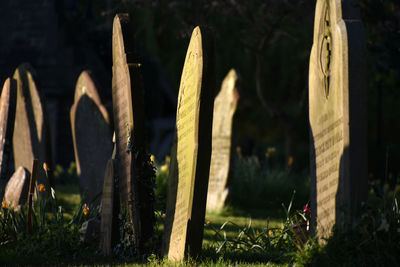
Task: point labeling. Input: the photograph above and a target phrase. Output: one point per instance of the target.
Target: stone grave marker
(191, 162)
(224, 108)
(92, 137)
(31, 138)
(17, 188)
(337, 110)
(136, 190)
(109, 211)
(8, 102)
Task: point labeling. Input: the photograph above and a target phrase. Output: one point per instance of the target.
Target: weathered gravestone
(31, 137)
(109, 211)
(224, 109)
(92, 137)
(8, 102)
(337, 110)
(191, 162)
(17, 188)
(136, 190)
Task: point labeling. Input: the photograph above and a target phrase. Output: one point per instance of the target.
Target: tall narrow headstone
(31, 138)
(16, 193)
(92, 138)
(191, 163)
(224, 109)
(136, 190)
(109, 213)
(8, 102)
(337, 110)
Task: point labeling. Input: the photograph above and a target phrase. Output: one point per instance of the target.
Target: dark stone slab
(186, 208)
(136, 192)
(109, 212)
(17, 188)
(92, 138)
(337, 110)
(31, 137)
(8, 102)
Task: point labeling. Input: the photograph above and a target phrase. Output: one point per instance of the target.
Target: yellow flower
(290, 161)
(208, 222)
(153, 158)
(397, 189)
(372, 191)
(85, 209)
(45, 167)
(270, 232)
(4, 204)
(239, 150)
(42, 188)
(164, 168)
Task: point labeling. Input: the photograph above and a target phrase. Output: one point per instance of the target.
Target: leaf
(221, 246)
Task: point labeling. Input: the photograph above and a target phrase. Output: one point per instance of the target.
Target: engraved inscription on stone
(91, 136)
(333, 187)
(31, 137)
(7, 115)
(192, 153)
(17, 189)
(224, 109)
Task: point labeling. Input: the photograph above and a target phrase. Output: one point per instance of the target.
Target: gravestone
(92, 138)
(17, 188)
(136, 190)
(31, 137)
(224, 108)
(109, 211)
(8, 102)
(183, 232)
(337, 110)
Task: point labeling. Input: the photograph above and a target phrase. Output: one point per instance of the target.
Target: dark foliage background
(268, 42)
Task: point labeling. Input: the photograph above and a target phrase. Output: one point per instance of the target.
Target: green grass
(250, 234)
(68, 197)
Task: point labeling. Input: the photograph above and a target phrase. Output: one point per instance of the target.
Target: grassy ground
(238, 236)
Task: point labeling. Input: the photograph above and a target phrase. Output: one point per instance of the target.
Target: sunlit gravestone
(136, 190)
(187, 193)
(31, 138)
(92, 138)
(8, 102)
(224, 108)
(16, 192)
(337, 110)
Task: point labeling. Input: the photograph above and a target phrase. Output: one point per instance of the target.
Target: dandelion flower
(208, 222)
(290, 161)
(42, 188)
(270, 232)
(153, 158)
(4, 204)
(85, 209)
(46, 167)
(164, 168)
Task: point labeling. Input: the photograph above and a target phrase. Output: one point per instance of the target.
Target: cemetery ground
(251, 231)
